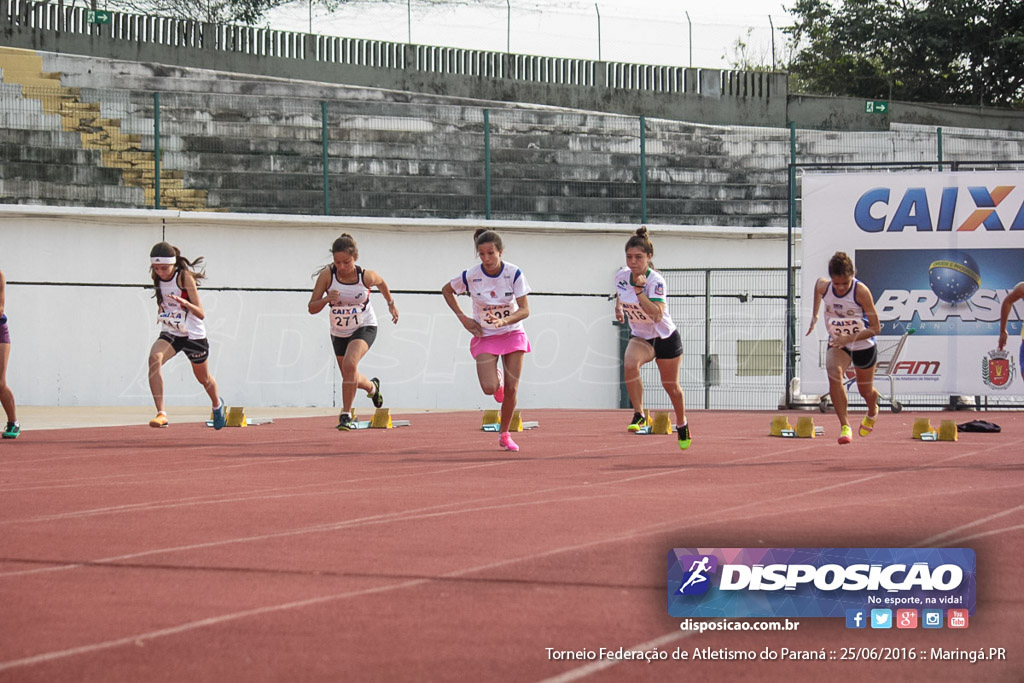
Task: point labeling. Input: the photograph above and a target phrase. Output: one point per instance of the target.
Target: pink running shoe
(499, 395)
(506, 442)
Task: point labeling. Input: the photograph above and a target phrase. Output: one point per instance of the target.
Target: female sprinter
(852, 323)
(641, 300)
(498, 291)
(181, 317)
(12, 429)
(345, 287)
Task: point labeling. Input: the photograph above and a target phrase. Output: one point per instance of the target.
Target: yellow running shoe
(867, 424)
(845, 435)
(159, 421)
(637, 423)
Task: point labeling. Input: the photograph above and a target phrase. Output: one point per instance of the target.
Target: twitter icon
(881, 618)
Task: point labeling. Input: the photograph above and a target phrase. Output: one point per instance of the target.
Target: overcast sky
(639, 31)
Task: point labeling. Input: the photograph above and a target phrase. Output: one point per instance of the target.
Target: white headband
(163, 260)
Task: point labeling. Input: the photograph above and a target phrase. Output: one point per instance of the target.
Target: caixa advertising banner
(939, 253)
(818, 582)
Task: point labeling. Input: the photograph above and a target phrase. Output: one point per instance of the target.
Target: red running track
(291, 551)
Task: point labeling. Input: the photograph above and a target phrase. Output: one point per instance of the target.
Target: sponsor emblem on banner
(997, 369)
(821, 582)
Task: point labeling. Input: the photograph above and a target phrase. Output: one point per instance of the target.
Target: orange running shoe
(159, 421)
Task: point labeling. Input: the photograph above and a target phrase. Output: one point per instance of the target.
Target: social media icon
(931, 618)
(957, 618)
(906, 618)
(856, 618)
(881, 618)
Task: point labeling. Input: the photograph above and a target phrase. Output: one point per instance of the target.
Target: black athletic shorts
(367, 334)
(197, 350)
(669, 347)
(864, 358)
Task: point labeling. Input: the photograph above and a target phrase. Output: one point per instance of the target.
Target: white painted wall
(87, 345)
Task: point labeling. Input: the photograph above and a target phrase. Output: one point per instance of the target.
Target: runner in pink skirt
(498, 291)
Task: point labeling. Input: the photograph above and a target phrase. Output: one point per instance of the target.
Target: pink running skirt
(500, 344)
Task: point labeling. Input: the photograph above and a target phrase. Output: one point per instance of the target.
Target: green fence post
(156, 149)
(707, 339)
(326, 159)
(643, 170)
(487, 164)
(790, 284)
(938, 133)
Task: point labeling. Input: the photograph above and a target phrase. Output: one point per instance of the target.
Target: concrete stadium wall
(711, 96)
(82, 318)
(847, 113)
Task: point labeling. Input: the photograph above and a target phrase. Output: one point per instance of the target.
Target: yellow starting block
(780, 425)
(492, 422)
(805, 428)
(236, 418)
(923, 425)
(947, 431)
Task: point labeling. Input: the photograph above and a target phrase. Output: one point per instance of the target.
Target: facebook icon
(856, 618)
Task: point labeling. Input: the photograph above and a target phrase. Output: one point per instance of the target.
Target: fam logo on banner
(817, 582)
(939, 252)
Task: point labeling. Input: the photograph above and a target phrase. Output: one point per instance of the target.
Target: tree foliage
(947, 51)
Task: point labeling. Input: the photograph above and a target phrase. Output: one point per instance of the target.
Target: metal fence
(280, 153)
(732, 322)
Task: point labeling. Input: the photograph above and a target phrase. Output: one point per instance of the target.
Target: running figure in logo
(182, 327)
(641, 301)
(697, 571)
(1016, 294)
(852, 324)
(345, 287)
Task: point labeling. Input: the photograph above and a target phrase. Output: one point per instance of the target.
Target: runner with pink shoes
(498, 291)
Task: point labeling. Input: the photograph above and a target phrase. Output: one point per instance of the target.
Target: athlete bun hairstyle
(485, 236)
(166, 250)
(641, 240)
(840, 264)
(345, 243)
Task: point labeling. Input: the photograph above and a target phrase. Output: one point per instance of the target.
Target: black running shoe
(346, 423)
(374, 395)
(637, 423)
(12, 430)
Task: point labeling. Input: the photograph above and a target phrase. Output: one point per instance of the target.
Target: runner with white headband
(182, 328)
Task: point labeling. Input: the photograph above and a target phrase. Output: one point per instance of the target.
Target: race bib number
(172, 321)
(634, 313)
(837, 327)
(344, 319)
(490, 314)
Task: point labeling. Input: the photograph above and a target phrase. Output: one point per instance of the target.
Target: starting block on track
(780, 427)
(946, 432)
(492, 422)
(922, 426)
(236, 418)
(805, 428)
(382, 420)
(659, 423)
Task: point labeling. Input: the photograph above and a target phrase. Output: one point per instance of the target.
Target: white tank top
(640, 325)
(174, 318)
(843, 315)
(353, 309)
(493, 296)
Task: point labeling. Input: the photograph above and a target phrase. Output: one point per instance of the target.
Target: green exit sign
(876, 107)
(98, 16)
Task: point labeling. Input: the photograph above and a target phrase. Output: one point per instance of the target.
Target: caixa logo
(878, 211)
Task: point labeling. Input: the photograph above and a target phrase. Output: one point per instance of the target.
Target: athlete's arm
(654, 309)
(819, 291)
(618, 309)
(373, 279)
(318, 300)
(192, 304)
(867, 302)
(3, 290)
(1015, 295)
(471, 325)
(521, 313)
